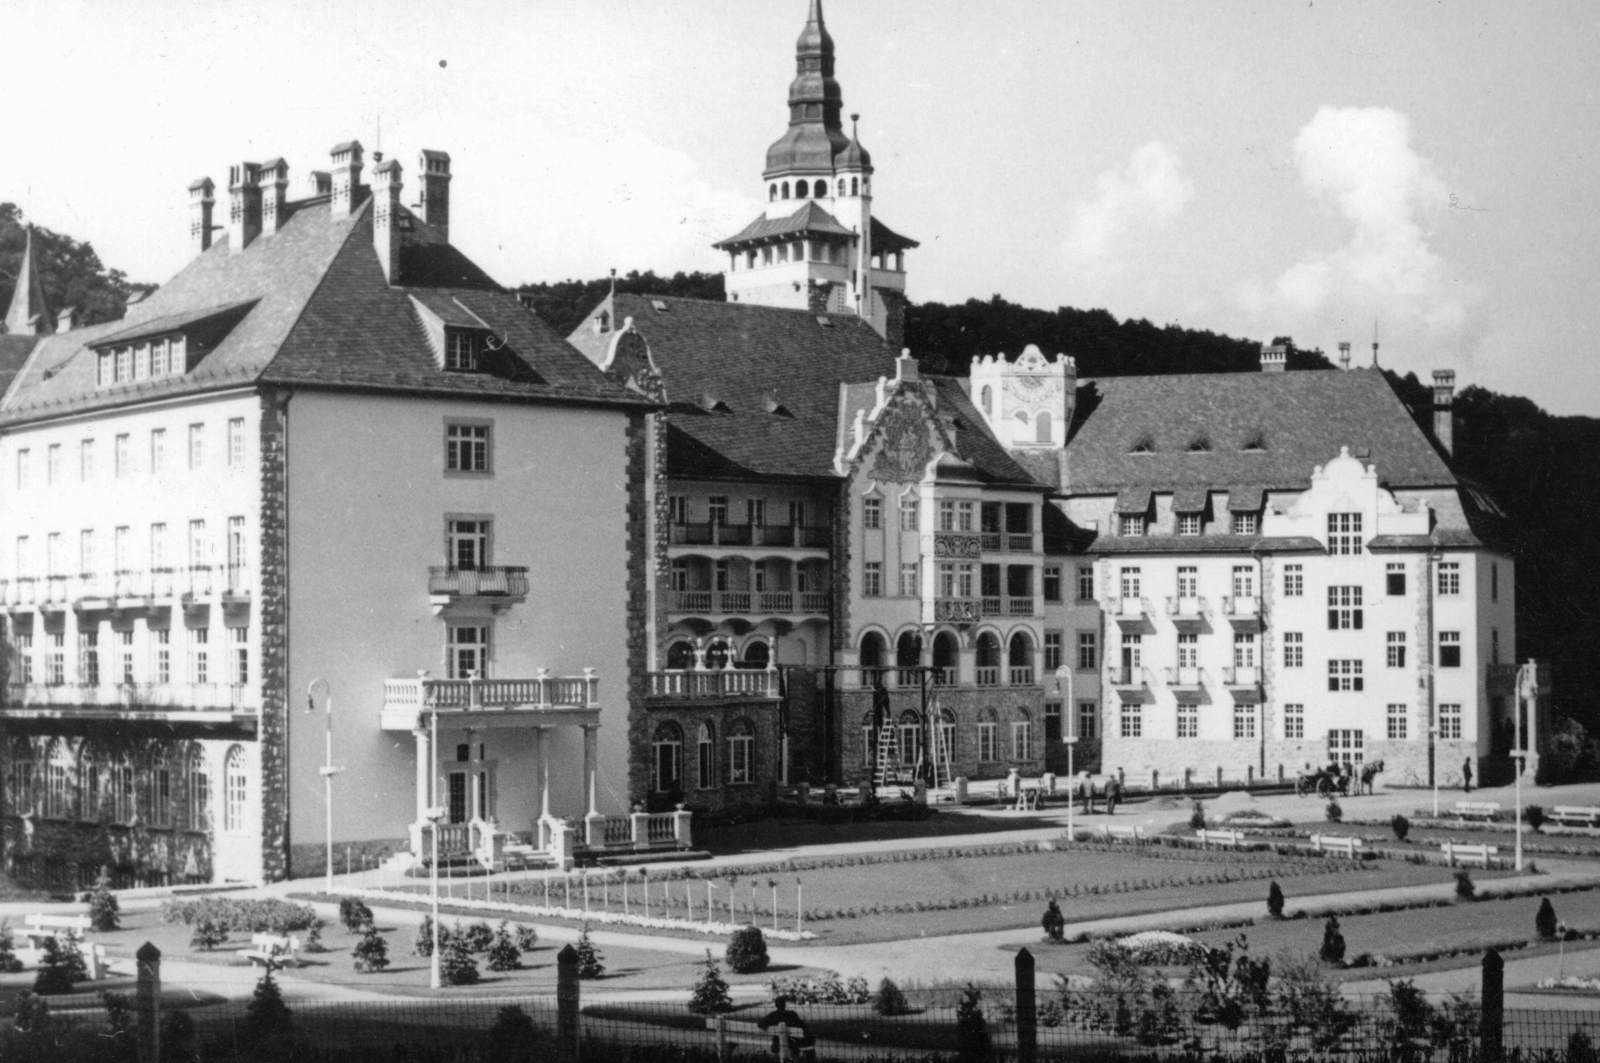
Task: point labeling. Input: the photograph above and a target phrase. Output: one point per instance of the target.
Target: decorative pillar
(544, 775)
(590, 744)
(420, 825)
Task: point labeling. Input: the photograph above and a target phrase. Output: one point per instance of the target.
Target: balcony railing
(942, 677)
(93, 590)
(993, 542)
(1124, 676)
(713, 534)
(1242, 675)
(748, 602)
(988, 675)
(489, 581)
(1187, 678)
(543, 691)
(1019, 544)
(993, 606)
(1128, 609)
(1019, 606)
(1190, 607)
(131, 696)
(1241, 607)
(1021, 675)
(715, 683)
(957, 544)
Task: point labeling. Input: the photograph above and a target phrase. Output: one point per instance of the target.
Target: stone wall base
(1405, 762)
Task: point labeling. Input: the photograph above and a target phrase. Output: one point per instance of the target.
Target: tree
(710, 993)
(1334, 813)
(1332, 942)
(9, 964)
(972, 1028)
(890, 1000)
(456, 965)
(371, 952)
(267, 1013)
(590, 959)
(504, 954)
(747, 950)
(33, 1014)
(1545, 922)
(103, 910)
(513, 1035)
(354, 914)
(422, 944)
(1275, 900)
(527, 937)
(1466, 889)
(207, 935)
(60, 968)
(1401, 827)
(72, 273)
(564, 304)
(1197, 817)
(478, 936)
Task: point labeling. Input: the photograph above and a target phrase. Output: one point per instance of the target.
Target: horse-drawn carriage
(1335, 778)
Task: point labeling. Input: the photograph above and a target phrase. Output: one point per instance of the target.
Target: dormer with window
(461, 340)
(164, 347)
(461, 349)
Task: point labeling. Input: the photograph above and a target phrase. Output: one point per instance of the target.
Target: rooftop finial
(613, 282)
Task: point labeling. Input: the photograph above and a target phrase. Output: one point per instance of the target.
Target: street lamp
(1433, 740)
(435, 817)
(328, 771)
(1069, 718)
(1520, 757)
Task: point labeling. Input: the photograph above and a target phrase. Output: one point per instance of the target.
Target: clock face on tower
(1033, 391)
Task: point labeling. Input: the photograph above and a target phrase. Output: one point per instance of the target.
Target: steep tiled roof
(808, 219)
(320, 313)
(14, 351)
(972, 439)
(885, 239)
(1206, 544)
(737, 353)
(1300, 420)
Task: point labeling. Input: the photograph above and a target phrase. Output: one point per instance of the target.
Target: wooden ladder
(888, 750)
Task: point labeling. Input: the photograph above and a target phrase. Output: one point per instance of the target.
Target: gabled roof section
(1266, 430)
(966, 426)
(807, 220)
(886, 240)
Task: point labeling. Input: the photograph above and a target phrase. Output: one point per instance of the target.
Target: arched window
(236, 780)
(717, 654)
(19, 784)
(741, 753)
(945, 656)
(158, 800)
(1041, 427)
(855, 186)
(197, 787)
(1020, 659)
(987, 395)
(772, 193)
(666, 768)
(786, 190)
(988, 659)
(757, 654)
(1022, 417)
(119, 789)
(706, 761)
(872, 650)
(90, 777)
(908, 654)
(680, 656)
(841, 186)
(910, 734)
(59, 769)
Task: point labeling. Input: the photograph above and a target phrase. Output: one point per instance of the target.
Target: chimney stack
(274, 195)
(386, 217)
(1444, 414)
(434, 167)
(1344, 355)
(201, 200)
(1274, 357)
(346, 178)
(66, 318)
(244, 205)
(321, 183)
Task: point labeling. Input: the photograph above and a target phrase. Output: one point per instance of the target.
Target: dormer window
(1246, 523)
(1145, 444)
(1256, 440)
(147, 360)
(461, 350)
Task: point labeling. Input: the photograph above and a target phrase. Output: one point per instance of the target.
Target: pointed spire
(815, 134)
(29, 314)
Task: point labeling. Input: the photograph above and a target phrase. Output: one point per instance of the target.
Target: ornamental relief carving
(955, 544)
(904, 452)
(1033, 391)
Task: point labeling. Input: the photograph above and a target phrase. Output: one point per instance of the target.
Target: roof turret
(815, 134)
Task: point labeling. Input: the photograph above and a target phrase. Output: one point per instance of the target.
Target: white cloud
(1146, 194)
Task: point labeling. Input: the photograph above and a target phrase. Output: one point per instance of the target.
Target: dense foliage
(241, 915)
(710, 993)
(72, 273)
(747, 950)
(104, 913)
(564, 304)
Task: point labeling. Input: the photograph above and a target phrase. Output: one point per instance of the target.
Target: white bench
(1484, 810)
(1575, 815)
(272, 950)
(1109, 833)
(748, 1034)
(1337, 843)
(1478, 854)
(41, 927)
(1230, 839)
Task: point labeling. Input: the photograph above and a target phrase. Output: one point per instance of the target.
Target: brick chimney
(1274, 357)
(274, 195)
(244, 205)
(201, 200)
(1344, 354)
(386, 217)
(434, 166)
(1444, 414)
(346, 178)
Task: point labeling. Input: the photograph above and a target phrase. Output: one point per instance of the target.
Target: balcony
(1243, 611)
(1132, 684)
(993, 606)
(1186, 678)
(806, 536)
(1244, 682)
(994, 542)
(1019, 543)
(1019, 606)
(1021, 675)
(129, 588)
(987, 675)
(497, 586)
(1132, 614)
(715, 683)
(543, 701)
(1500, 678)
(960, 545)
(1187, 613)
(957, 610)
(113, 700)
(748, 603)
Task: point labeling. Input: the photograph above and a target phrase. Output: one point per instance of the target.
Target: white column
(544, 773)
(590, 742)
(423, 760)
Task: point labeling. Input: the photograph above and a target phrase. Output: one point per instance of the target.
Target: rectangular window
(1344, 608)
(466, 447)
(908, 579)
(1494, 581)
(1449, 577)
(467, 543)
(1188, 581)
(125, 649)
(1244, 649)
(986, 742)
(1052, 650)
(1132, 654)
(236, 441)
(1188, 721)
(89, 658)
(1346, 747)
(1394, 578)
(199, 555)
(1244, 581)
(717, 506)
(1088, 719)
(158, 451)
(1244, 721)
(466, 651)
(86, 558)
(1052, 722)
(1130, 583)
(1132, 524)
(1294, 583)
(239, 656)
(1449, 721)
(1344, 675)
(964, 580)
(872, 579)
(1449, 649)
(706, 760)
(872, 513)
(54, 557)
(1395, 649)
(1245, 523)
(461, 350)
(1294, 649)
(797, 514)
(1085, 583)
(86, 461)
(24, 457)
(908, 513)
(1132, 721)
(964, 515)
(755, 512)
(161, 666)
(1188, 651)
(1294, 721)
(197, 446)
(120, 457)
(947, 516)
(1188, 524)
(1088, 651)
(122, 550)
(1344, 534)
(1052, 583)
(200, 655)
(52, 464)
(55, 661)
(1397, 722)
(1022, 740)
(677, 509)
(25, 657)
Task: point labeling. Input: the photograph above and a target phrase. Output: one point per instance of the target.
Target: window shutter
(1333, 683)
(1358, 684)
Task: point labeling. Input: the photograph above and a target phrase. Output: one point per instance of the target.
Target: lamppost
(435, 817)
(1069, 718)
(1519, 757)
(1433, 741)
(327, 771)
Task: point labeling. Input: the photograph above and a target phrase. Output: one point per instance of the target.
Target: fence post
(567, 1001)
(1491, 1025)
(147, 998)
(722, 1039)
(1027, 1015)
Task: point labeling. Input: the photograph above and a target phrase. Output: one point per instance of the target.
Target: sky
(1316, 169)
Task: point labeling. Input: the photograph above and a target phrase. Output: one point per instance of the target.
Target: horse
(1369, 771)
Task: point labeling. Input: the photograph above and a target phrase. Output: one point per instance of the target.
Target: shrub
(9, 964)
(1053, 922)
(1332, 942)
(314, 938)
(371, 952)
(60, 968)
(422, 944)
(504, 955)
(710, 993)
(590, 959)
(890, 1000)
(119, 1012)
(456, 965)
(478, 936)
(354, 914)
(1580, 1048)
(1534, 814)
(1334, 813)
(1466, 890)
(1401, 826)
(267, 1013)
(208, 934)
(1275, 900)
(972, 1028)
(527, 937)
(33, 1014)
(103, 910)
(513, 1035)
(747, 950)
(1197, 817)
(267, 915)
(1545, 922)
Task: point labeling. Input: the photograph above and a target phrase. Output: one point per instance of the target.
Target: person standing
(1466, 775)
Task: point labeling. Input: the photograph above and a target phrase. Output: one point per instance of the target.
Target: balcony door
(468, 544)
(467, 651)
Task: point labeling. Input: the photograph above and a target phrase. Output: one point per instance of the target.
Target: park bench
(1337, 843)
(1230, 839)
(1109, 833)
(1484, 810)
(41, 927)
(745, 1034)
(272, 950)
(1475, 854)
(1575, 815)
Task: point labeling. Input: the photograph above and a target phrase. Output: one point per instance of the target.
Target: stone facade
(1002, 706)
(274, 628)
(722, 716)
(646, 612)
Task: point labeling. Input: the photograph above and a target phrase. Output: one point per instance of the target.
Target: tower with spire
(817, 246)
(28, 314)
